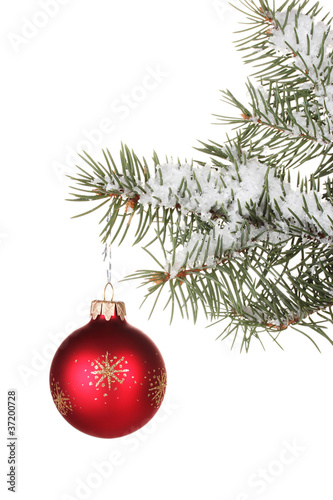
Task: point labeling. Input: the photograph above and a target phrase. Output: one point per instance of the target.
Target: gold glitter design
(63, 403)
(108, 370)
(158, 385)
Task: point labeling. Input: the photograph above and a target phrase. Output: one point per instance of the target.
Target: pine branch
(238, 242)
(231, 227)
(293, 103)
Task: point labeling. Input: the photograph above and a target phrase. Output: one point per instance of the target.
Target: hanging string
(107, 257)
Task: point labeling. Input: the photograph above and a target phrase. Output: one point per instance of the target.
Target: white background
(234, 426)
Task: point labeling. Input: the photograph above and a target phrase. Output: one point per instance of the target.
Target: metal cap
(108, 308)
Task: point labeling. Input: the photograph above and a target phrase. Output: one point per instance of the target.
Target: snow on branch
(258, 207)
(309, 42)
(307, 45)
(237, 206)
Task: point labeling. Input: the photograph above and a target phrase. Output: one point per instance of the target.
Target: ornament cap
(108, 308)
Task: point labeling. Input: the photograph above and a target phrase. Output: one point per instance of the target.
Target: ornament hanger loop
(109, 283)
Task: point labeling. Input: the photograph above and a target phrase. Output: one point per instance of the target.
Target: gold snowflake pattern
(62, 402)
(109, 369)
(157, 389)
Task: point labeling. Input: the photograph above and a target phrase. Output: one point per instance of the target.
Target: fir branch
(238, 241)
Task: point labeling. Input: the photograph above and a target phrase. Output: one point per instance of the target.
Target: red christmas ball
(108, 378)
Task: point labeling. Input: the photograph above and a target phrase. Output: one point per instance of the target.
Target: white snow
(246, 182)
(204, 190)
(311, 46)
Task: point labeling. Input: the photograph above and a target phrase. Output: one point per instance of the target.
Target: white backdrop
(79, 74)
